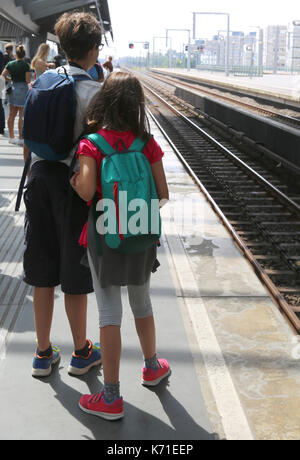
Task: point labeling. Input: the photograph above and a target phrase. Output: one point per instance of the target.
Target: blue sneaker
(80, 365)
(42, 366)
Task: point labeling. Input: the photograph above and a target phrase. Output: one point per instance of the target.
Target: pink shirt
(152, 151)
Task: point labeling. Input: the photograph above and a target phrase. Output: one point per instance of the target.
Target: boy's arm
(85, 182)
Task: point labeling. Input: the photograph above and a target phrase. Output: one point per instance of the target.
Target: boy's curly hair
(78, 33)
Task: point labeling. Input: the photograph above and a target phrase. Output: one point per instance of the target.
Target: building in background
(275, 46)
(293, 46)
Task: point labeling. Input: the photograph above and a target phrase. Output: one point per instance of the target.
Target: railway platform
(277, 88)
(235, 360)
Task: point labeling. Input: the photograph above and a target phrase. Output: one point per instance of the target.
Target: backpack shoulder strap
(100, 143)
(80, 77)
(138, 145)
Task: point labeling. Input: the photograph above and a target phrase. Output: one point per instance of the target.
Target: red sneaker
(96, 405)
(152, 377)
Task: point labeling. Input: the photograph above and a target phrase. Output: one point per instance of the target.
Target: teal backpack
(128, 215)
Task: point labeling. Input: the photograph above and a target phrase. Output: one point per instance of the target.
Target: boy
(55, 216)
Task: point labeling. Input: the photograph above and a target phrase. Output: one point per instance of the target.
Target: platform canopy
(37, 17)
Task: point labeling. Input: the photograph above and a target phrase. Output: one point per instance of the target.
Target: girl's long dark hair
(119, 105)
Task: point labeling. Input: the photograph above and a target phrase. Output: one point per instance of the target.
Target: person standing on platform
(18, 74)
(52, 254)
(117, 114)
(96, 72)
(39, 63)
(2, 114)
(8, 55)
(108, 65)
(58, 60)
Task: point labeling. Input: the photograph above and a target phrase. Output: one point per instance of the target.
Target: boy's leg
(43, 301)
(76, 309)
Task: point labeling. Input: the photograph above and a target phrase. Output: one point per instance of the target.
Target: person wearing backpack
(120, 157)
(54, 212)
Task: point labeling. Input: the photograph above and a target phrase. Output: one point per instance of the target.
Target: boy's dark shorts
(54, 219)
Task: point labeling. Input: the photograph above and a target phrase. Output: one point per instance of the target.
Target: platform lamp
(228, 34)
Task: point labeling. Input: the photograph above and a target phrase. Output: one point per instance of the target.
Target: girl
(18, 73)
(39, 62)
(118, 114)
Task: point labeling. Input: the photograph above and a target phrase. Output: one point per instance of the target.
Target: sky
(141, 20)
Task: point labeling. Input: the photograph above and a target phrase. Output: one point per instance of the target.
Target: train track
(271, 113)
(260, 209)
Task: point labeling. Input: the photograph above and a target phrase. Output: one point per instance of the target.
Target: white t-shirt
(85, 91)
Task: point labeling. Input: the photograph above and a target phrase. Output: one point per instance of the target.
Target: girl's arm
(158, 173)
(6, 74)
(85, 182)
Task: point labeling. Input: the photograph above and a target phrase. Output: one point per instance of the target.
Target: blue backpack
(49, 115)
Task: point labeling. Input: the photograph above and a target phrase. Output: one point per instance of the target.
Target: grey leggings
(109, 300)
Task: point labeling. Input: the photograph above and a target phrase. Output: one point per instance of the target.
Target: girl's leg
(11, 120)
(110, 340)
(146, 331)
(140, 302)
(43, 302)
(20, 124)
(76, 309)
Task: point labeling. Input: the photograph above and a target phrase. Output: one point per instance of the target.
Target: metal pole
(260, 50)
(228, 46)
(194, 26)
(189, 54)
(153, 56)
(227, 66)
(276, 50)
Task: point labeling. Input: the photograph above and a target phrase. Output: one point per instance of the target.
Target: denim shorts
(18, 94)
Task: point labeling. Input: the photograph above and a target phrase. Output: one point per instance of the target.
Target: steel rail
(262, 275)
(195, 86)
(280, 195)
